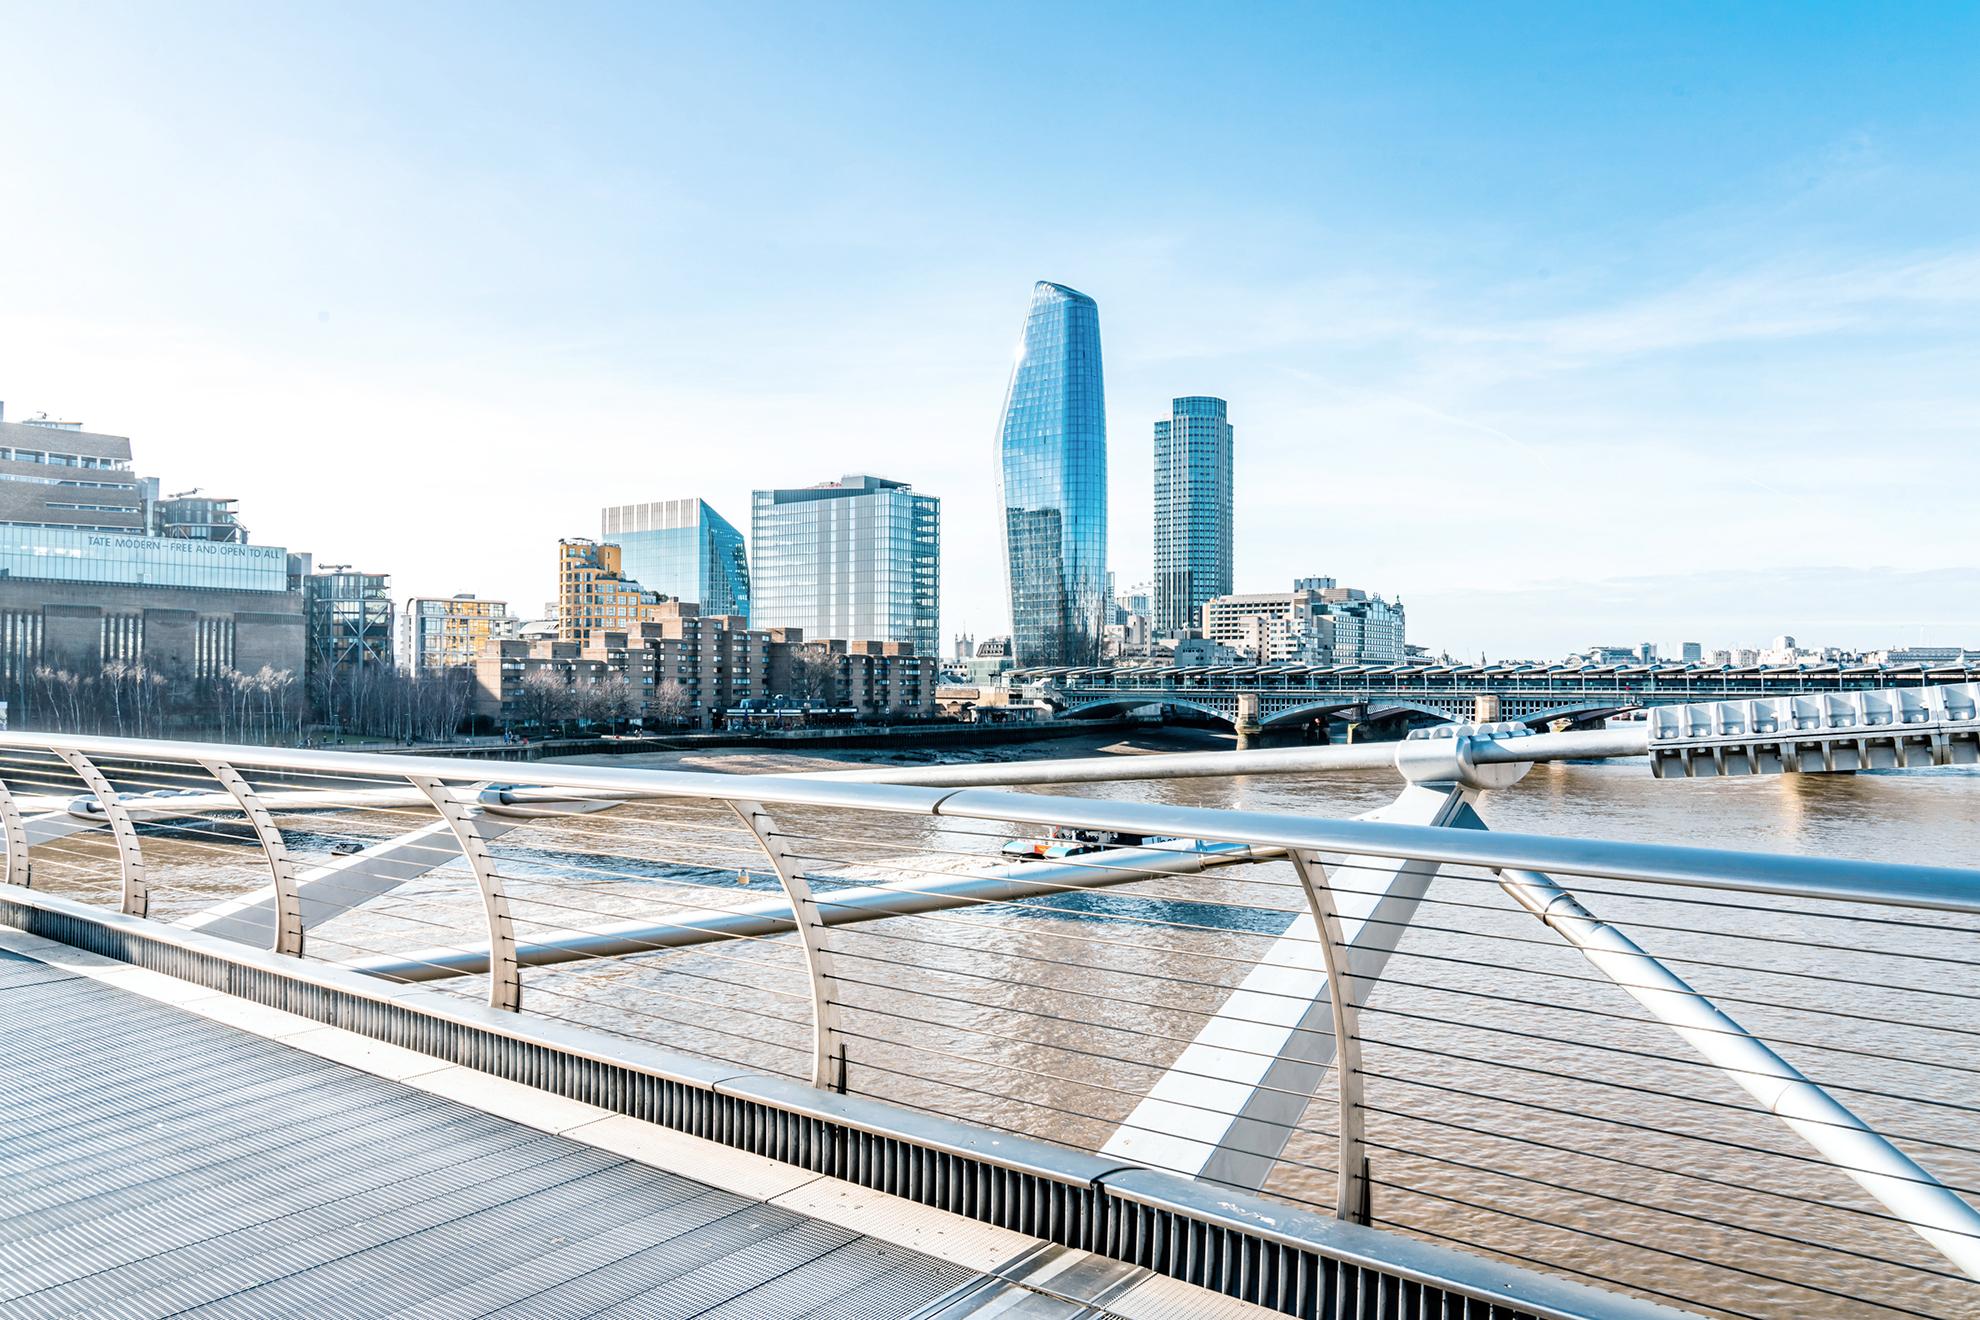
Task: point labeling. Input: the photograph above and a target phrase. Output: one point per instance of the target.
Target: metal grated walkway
(157, 1163)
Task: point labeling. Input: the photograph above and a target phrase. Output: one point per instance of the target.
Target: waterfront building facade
(448, 632)
(1052, 482)
(857, 558)
(1315, 623)
(681, 549)
(1368, 630)
(1193, 511)
(97, 572)
(677, 667)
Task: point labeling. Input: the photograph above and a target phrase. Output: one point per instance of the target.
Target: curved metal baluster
(14, 830)
(288, 901)
(828, 1046)
(1351, 1201)
(504, 976)
(137, 894)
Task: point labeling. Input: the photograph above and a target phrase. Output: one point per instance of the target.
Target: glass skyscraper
(1052, 478)
(682, 549)
(1192, 511)
(858, 559)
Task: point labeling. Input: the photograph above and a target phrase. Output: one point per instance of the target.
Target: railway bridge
(1285, 696)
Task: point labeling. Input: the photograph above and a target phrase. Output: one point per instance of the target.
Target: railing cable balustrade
(1514, 1070)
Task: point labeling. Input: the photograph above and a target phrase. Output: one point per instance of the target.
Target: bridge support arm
(13, 827)
(1351, 1200)
(137, 892)
(504, 974)
(1230, 1102)
(288, 900)
(828, 1046)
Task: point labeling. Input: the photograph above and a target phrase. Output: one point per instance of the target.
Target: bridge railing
(1741, 1083)
(1682, 685)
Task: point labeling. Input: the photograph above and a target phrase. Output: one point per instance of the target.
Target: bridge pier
(1485, 708)
(1248, 726)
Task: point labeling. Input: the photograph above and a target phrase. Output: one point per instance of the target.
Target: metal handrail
(1944, 888)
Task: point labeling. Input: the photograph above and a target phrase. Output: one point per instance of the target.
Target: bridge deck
(158, 1162)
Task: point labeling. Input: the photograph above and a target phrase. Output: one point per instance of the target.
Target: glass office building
(1192, 511)
(682, 549)
(449, 632)
(1052, 475)
(349, 618)
(857, 559)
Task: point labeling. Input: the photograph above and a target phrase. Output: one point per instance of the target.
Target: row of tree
(550, 701)
(380, 701)
(375, 700)
(134, 700)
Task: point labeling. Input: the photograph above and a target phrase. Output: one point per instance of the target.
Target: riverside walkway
(161, 1161)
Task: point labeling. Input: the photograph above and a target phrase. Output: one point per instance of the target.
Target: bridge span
(1268, 696)
(438, 1037)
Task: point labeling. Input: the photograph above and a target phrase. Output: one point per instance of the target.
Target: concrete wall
(268, 626)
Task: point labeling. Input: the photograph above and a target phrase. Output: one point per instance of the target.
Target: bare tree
(671, 704)
(619, 701)
(544, 698)
(814, 675)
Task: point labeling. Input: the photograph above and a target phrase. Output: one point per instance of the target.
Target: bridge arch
(1398, 707)
(1122, 705)
(1301, 714)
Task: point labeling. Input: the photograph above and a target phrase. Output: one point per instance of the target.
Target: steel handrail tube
(1584, 745)
(1934, 1212)
(843, 907)
(1859, 881)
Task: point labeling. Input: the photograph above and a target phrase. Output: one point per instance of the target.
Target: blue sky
(1564, 324)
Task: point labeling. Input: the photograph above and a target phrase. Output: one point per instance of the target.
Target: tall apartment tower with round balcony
(1192, 511)
(1052, 482)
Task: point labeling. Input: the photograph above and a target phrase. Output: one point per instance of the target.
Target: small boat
(1066, 841)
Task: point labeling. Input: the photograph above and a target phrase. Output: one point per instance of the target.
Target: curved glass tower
(1052, 477)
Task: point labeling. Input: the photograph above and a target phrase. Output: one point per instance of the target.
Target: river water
(1515, 1102)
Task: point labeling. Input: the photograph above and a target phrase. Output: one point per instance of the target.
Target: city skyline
(1551, 348)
